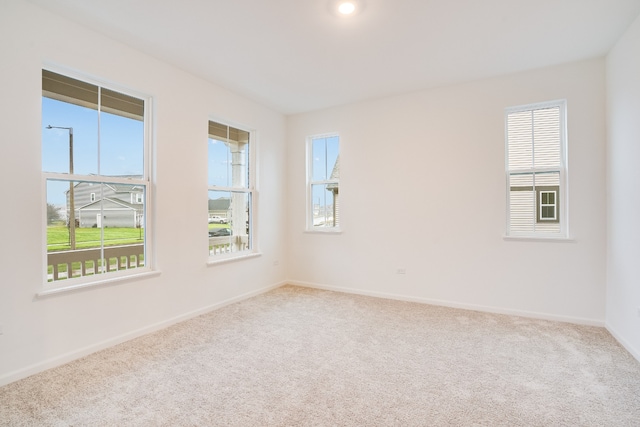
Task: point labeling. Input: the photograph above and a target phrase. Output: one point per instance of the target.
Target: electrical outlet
(401, 271)
(1, 329)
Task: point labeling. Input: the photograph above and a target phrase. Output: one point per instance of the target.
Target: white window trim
(562, 170)
(543, 205)
(309, 228)
(252, 190)
(113, 277)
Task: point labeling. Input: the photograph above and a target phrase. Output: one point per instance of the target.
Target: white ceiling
(297, 56)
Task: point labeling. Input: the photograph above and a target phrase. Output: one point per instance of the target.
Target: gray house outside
(220, 207)
(108, 205)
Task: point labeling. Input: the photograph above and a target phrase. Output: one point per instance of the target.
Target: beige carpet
(303, 357)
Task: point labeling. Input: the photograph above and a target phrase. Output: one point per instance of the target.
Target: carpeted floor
(304, 357)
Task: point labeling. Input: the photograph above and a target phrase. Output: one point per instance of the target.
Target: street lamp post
(72, 207)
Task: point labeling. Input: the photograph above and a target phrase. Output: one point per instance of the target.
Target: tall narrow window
(231, 191)
(536, 170)
(94, 160)
(323, 183)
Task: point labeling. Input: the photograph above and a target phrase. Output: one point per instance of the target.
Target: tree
(53, 213)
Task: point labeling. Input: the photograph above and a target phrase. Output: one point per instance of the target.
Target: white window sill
(324, 231)
(218, 261)
(49, 290)
(557, 239)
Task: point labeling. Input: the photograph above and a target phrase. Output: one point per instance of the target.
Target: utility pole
(72, 204)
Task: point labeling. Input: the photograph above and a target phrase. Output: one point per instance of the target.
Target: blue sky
(325, 152)
(219, 162)
(121, 144)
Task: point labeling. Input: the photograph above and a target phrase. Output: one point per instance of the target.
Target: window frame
(146, 182)
(561, 201)
(310, 182)
(250, 189)
(540, 216)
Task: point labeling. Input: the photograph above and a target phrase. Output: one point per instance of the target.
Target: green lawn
(58, 237)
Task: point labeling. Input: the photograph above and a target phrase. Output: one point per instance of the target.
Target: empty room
(320, 213)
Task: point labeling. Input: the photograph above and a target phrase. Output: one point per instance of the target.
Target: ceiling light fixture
(346, 8)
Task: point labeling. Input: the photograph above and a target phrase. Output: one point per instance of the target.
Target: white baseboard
(77, 354)
(453, 304)
(623, 342)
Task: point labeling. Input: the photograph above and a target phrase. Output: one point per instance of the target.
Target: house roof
(116, 187)
(298, 56)
(220, 204)
(110, 203)
(125, 188)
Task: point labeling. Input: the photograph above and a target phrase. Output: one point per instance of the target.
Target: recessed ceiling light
(346, 8)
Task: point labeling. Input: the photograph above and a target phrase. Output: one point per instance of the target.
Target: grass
(212, 226)
(58, 237)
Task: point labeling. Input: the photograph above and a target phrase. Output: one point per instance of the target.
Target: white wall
(623, 176)
(39, 333)
(423, 188)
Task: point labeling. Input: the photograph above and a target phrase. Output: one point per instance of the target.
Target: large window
(323, 183)
(231, 192)
(95, 165)
(536, 170)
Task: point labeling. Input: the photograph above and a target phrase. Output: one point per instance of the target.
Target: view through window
(231, 191)
(536, 170)
(94, 162)
(323, 195)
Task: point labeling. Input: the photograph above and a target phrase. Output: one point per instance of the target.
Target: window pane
(520, 140)
(121, 146)
(546, 128)
(107, 235)
(325, 153)
(99, 226)
(229, 222)
(228, 156)
(324, 211)
(56, 142)
(228, 164)
(319, 159)
(219, 163)
(548, 212)
(535, 161)
(333, 150)
(522, 203)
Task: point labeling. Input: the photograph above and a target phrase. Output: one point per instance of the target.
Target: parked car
(216, 232)
(217, 220)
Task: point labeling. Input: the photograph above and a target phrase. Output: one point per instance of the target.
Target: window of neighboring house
(547, 205)
(231, 201)
(536, 146)
(323, 183)
(95, 150)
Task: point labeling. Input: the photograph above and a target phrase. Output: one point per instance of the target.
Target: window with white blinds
(536, 170)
